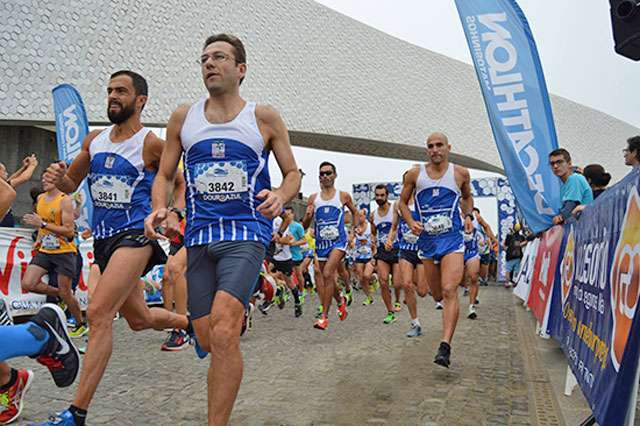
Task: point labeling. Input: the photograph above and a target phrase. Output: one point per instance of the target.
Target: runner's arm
(278, 142)
(394, 227)
(25, 172)
(466, 200)
(408, 187)
(374, 230)
(485, 226)
(68, 179)
(66, 229)
(308, 214)
(7, 194)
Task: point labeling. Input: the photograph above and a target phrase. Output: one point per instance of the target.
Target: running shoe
(414, 331)
(442, 357)
(71, 321)
(477, 301)
(298, 310)
(368, 302)
(472, 312)
(301, 296)
(264, 307)
(466, 292)
(79, 330)
(391, 317)
(279, 299)
(59, 419)
(178, 340)
(5, 316)
(319, 311)
(439, 305)
(321, 324)
(12, 399)
(397, 307)
(59, 355)
(342, 309)
(348, 296)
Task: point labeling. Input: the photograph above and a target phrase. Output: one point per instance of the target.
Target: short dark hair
(596, 174)
(326, 163)
(138, 81)
(561, 151)
(382, 186)
(238, 47)
(634, 143)
(288, 207)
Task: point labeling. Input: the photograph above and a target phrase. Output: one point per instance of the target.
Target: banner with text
(72, 127)
(525, 276)
(515, 94)
(595, 298)
(543, 272)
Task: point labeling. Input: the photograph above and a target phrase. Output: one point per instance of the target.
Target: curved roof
(339, 84)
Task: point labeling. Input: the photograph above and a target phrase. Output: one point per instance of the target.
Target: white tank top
(437, 202)
(383, 225)
(329, 215)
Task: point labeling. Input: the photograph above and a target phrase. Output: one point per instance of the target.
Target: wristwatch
(178, 212)
(43, 225)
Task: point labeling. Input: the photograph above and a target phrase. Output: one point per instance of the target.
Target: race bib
(111, 191)
(410, 237)
(329, 232)
(50, 242)
(467, 237)
(363, 251)
(221, 180)
(438, 224)
(382, 238)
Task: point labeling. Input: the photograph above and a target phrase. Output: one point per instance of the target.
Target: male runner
(471, 267)
(486, 239)
(282, 259)
(57, 251)
(327, 206)
(297, 232)
(364, 251)
(441, 190)
(120, 163)
(386, 254)
(230, 204)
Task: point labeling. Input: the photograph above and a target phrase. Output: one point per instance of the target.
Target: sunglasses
(326, 173)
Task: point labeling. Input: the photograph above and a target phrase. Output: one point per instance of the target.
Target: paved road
(359, 371)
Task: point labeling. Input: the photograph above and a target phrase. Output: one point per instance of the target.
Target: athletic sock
(296, 296)
(416, 322)
(79, 415)
(11, 382)
(26, 339)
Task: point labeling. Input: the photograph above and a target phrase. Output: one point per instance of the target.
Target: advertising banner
(544, 271)
(515, 94)
(525, 276)
(593, 310)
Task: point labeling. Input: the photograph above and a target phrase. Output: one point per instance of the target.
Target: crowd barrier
(582, 282)
(15, 254)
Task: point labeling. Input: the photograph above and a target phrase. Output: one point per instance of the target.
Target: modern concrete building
(339, 84)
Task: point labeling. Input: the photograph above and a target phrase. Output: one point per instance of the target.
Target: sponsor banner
(543, 272)
(15, 254)
(515, 94)
(72, 127)
(525, 276)
(593, 309)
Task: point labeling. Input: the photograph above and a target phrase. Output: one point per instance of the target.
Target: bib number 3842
(222, 180)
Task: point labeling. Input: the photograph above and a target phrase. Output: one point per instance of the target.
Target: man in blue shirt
(297, 231)
(575, 189)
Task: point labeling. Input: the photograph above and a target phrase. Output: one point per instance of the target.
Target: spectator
(598, 180)
(513, 243)
(632, 152)
(575, 189)
(22, 175)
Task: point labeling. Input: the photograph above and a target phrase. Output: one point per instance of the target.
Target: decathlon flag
(596, 291)
(72, 127)
(515, 94)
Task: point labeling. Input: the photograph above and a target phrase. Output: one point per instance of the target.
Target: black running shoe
(59, 355)
(245, 322)
(280, 297)
(264, 307)
(442, 357)
(178, 340)
(298, 311)
(5, 316)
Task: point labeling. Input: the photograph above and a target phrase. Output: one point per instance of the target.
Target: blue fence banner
(515, 94)
(72, 127)
(595, 297)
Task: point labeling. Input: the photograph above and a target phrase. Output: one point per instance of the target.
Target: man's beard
(381, 202)
(123, 115)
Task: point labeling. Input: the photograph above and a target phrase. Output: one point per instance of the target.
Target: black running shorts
(103, 249)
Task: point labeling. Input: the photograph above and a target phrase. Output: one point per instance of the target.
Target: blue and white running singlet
(471, 242)
(225, 166)
(383, 226)
(363, 243)
(407, 239)
(438, 206)
(120, 186)
(330, 231)
(482, 236)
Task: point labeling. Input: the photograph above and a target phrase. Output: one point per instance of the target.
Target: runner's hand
(416, 228)
(152, 221)
(272, 205)
(32, 219)
(37, 244)
(468, 225)
(171, 226)
(55, 173)
(388, 245)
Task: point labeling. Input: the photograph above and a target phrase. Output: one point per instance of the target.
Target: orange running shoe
(12, 400)
(342, 309)
(321, 324)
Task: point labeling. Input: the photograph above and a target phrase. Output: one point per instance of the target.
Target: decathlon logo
(625, 274)
(73, 142)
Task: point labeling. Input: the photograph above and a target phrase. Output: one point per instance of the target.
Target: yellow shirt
(311, 241)
(50, 213)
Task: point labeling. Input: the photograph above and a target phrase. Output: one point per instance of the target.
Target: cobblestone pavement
(359, 371)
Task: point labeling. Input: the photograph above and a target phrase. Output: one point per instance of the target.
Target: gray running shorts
(230, 266)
